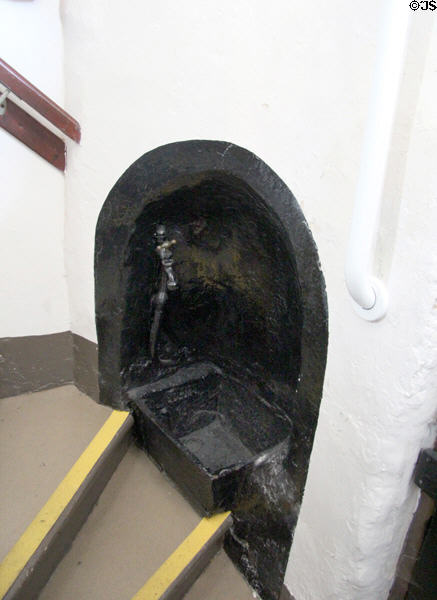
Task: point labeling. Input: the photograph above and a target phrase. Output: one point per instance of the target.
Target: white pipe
(368, 293)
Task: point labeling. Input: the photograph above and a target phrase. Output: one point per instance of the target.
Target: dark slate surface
(208, 433)
(85, 368)
(34, 363)
(251, 300)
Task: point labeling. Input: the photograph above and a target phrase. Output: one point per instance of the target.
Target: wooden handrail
(34, 135)
(32, 96)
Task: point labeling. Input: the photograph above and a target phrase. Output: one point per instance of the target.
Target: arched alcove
(237, 302)
(226, 390)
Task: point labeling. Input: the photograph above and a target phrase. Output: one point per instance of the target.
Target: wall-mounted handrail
(369, 293)
(34, 134)
(32, 96)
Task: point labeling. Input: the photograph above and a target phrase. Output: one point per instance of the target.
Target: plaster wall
(289, 81)
(33, 290)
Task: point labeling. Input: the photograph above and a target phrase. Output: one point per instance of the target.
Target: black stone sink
(224, 370)
(206, 430)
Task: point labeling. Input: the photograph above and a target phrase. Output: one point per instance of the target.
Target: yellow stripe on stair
(181, 558)
(17, 558)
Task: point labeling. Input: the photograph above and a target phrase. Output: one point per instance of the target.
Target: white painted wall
(290, 81)
(33, 290)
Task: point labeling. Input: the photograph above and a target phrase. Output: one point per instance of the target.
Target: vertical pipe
(368, 293)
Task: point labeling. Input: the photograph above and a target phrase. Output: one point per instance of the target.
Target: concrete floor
(138, 522)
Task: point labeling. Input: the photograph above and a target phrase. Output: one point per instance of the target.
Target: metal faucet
(167, 282)
(166, 256)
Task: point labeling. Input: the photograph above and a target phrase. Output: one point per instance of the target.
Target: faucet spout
(167, 282)
(166, 255)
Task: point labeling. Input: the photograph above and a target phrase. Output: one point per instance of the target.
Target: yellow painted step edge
(19, 555)
(180, 559)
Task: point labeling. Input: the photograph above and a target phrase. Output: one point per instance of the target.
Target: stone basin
(206, 430)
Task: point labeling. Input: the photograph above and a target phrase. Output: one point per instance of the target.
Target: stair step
(130, 536)
(41, 437)
(178, 573)
(220, 581)
(30, 562)
(138, 521)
